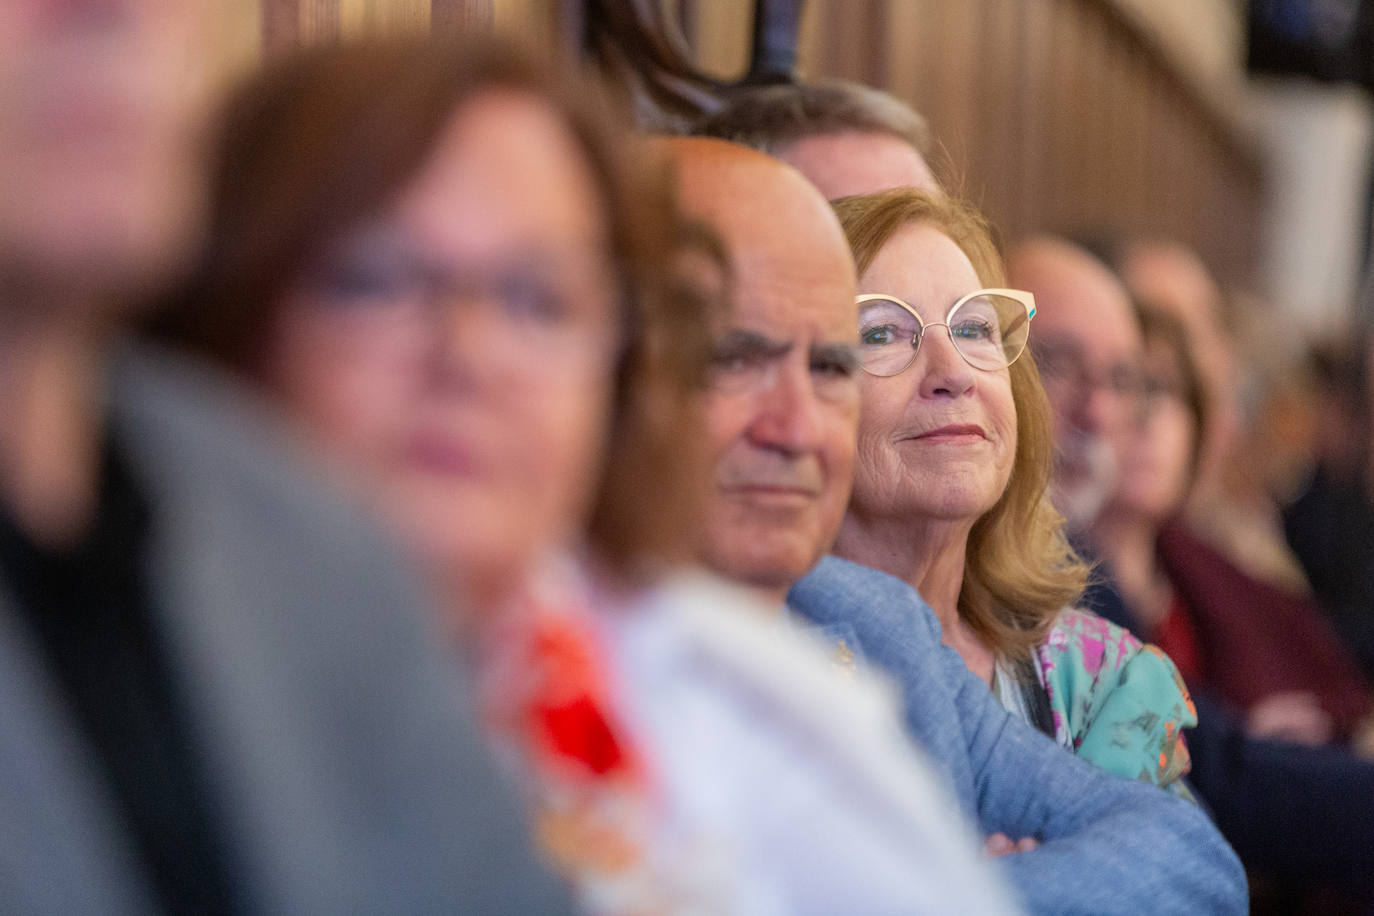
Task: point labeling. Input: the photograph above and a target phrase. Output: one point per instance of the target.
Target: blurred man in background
(845, 137)
(215, 690)
(1092, 377)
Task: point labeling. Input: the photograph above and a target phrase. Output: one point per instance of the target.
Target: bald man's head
(765, 211)
(783, 405)
(1087, 345)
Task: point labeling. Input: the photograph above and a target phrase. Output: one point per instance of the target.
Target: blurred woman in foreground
(949, 492)
(434, 256)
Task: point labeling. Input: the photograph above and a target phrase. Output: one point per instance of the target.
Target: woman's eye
(975, 330)
(352, 283)
(528, 299)
(879, 336)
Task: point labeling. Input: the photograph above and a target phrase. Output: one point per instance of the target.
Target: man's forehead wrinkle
(753, 200)
(815, 301)
(792, 274)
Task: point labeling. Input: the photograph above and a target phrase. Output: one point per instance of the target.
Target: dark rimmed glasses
(988, 327)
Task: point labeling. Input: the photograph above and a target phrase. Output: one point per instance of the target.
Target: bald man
(782, 418)
(782, 407)
(1087, 345)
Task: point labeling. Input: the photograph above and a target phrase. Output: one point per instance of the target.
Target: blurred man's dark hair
(769, 118)
(845, 138)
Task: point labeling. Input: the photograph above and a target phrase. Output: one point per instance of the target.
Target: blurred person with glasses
(1268, 652)
(1089, 365)
(953, 463)
(216, 686)
(467, 307)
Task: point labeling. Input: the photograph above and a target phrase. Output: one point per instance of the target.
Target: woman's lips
(442, 455)
(953, 433)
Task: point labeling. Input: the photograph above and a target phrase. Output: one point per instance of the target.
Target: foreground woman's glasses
(988, 328)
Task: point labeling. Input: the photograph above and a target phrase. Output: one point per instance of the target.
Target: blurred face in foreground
(783, 397)
(100, 169)
(461, 347)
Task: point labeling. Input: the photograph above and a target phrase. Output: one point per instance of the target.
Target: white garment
(1008, 692)
(796, 783)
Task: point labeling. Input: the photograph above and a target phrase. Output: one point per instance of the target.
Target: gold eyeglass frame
(1022, 296)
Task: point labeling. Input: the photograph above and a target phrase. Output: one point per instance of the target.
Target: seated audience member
(1244, 470)
(781, 414)
(1265, 651)
(949, 491)
(846, 138)
(468, 309)
(216, 690)
(1172, 279)
(1285, 807)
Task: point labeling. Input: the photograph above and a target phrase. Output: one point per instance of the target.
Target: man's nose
(788, 416)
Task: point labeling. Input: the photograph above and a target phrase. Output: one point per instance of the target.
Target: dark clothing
(1299, 814)
(1104, 599)
(235, 662)
(90, 612)
(1258, 639)
(1331, 530)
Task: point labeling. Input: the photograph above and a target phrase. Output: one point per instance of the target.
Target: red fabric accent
(569, 707)
(578, 731)
(1177, 637)
(1258, 639)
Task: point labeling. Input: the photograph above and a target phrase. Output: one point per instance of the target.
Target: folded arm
(1106, 844)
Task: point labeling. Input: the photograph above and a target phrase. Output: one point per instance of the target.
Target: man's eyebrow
(740, 342)
(836, 354)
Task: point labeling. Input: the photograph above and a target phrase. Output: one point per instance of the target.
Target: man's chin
(1079, 502)
(770, 571)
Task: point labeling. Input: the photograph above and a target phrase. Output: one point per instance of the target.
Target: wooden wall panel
(1057, 114)
(291, 24)
(281, 25)
(457, 15)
